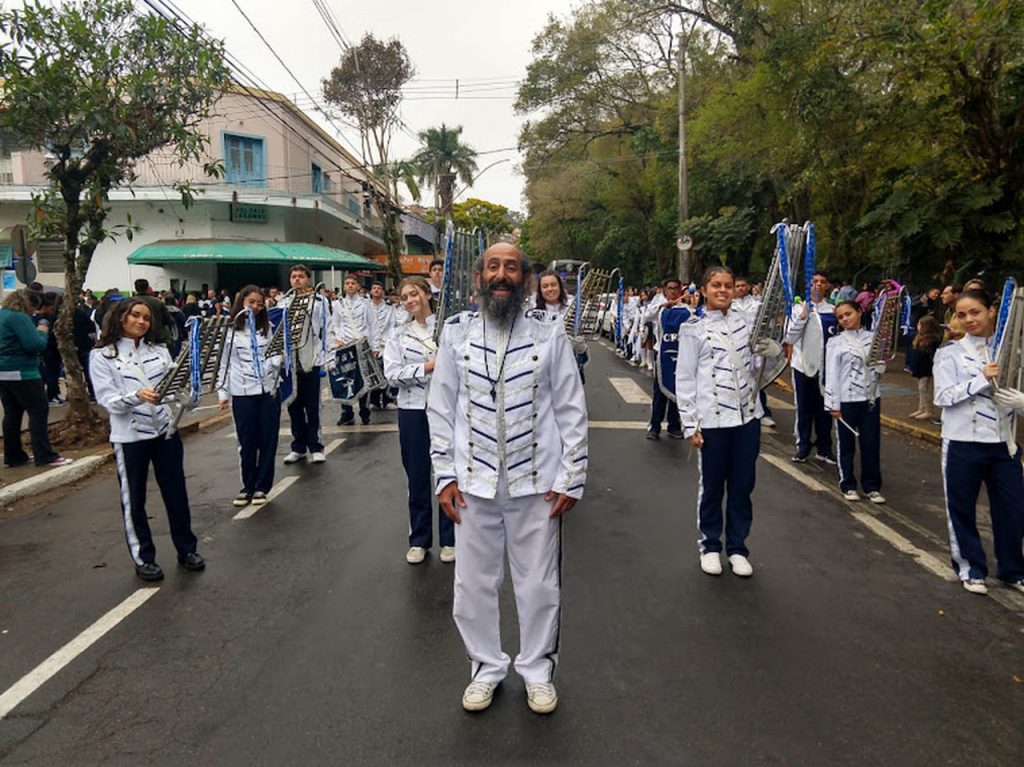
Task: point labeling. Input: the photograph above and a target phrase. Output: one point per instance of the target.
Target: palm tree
(441, 160)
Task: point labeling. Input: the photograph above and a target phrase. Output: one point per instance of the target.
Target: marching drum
(356, 371)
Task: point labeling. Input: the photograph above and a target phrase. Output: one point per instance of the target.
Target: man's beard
(502, 310)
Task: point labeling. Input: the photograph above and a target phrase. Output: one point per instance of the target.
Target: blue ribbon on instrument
(195, 358)
(619, 300)
(480, 242)
(905, 314)
(578, 301)
(254, 344)
(1009, 287)
(810, 260)
(787, 285)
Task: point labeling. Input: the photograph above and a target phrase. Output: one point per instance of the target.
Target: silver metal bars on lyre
(1010, 350)
(582, 315)
(460, 251)
(177, 389)
(299, 312)
(887, 328)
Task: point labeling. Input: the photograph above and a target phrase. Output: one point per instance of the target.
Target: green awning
(248, 252)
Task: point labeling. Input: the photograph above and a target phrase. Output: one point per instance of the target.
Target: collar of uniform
(715, 314)
(127, 345)
(824, 307)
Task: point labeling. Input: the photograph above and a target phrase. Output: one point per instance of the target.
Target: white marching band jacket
(317, 346)
(408, 347)
(795, 330)
(382, 322)
(352, 320)
(848, 377)
(968, 412)
(117, 379)
(716, 373)
(508, 402)
(239, 376)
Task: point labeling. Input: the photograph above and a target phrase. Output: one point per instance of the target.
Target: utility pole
(684, 244)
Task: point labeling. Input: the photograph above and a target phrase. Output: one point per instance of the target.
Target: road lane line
(391, 427)
(898, 542)
(334, 445)
(630, 391)
(779, 404)
(784, 466)
(617, 424)
(275, 491)
(42, 673)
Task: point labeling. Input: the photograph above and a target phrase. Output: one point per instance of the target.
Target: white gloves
(1009, 398)
(766, 347)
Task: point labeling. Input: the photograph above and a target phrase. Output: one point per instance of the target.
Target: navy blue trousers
(728, 460)
(168, 459)
(865, 419)
(305, 413)
(965, 466)
(414, 438)
(364, 408)
(811, 414)
(257, 421)
(659, 405)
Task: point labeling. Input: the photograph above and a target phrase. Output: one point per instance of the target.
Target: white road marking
(784, 466)
(900, 543)
(617, 424)
(630, 391)
(42, 673)
(779, 404)
(333, 445)
(275, 491)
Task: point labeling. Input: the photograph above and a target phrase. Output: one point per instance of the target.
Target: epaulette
(944, 344)
(542, 315)
(457, 318)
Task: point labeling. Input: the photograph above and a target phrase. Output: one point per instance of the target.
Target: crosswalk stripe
(630, 391)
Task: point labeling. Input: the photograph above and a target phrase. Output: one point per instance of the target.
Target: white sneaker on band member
(740, 565)
(876, 497)
(447, 553)
(541, 697)
(415, 555)
(293, 457)
(711, 562)
(317, 457)
(478, 696)
(1016, 585)
(767, 421)
(851, 495)
(975, 585)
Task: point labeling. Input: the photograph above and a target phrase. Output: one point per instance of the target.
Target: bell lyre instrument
(295, 319)
(1009, 337)
(888, 308)
(581, 318)
(776, 301)
(197, 367)
(461, 249)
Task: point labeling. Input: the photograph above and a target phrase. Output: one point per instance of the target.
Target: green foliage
(493, 218)
(441, 160)
(897, 128)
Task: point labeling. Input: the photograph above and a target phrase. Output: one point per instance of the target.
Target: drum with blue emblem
(671, 320)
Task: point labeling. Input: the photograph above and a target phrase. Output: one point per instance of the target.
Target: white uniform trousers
(533, 540)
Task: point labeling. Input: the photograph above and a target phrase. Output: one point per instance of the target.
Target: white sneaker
(851, 495)
(768, 421)
(293, 457)
(541, 697)
(975, 585)
(447, 553)
(711, 563)
(415, 555)
(740, 565)
(1016, 585)
(478, 696)
(876, 497)
(317, 458)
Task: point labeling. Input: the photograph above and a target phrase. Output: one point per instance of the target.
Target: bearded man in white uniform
(508, 427)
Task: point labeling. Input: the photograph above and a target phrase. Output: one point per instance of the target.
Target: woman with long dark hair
(125, 370)
(248, 383)
(409, 364)
(551, 293)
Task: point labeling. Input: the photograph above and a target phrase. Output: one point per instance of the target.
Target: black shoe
(675, 434)
(651, 434)
(192, 562)
(149, 571)
(800, 458)
(365, 419)
(346, 420)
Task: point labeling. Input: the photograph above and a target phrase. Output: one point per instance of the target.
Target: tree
(441, 160)
(99, 87)
(366, 89)
(494, 219)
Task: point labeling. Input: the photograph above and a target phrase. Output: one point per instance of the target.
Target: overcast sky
(485, 44)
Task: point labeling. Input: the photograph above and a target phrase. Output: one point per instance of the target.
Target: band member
(310, 356)
(248, 383)
(382, 321)
(408, 364)
(716, 388)
(126, 369)
(352, 322)
(508, 427)
(852, 398)
(810, 408)
(671, 295)
(436, 271)
(551, 294)
(978, 445)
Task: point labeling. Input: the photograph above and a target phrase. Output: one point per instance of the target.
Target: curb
(65, 475)
(925, 435)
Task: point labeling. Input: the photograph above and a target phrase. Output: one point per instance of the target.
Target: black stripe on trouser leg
(553, 655)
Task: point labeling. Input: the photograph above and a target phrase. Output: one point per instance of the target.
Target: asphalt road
(309, 640)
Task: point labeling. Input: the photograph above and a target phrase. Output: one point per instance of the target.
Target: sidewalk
(20, 481)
